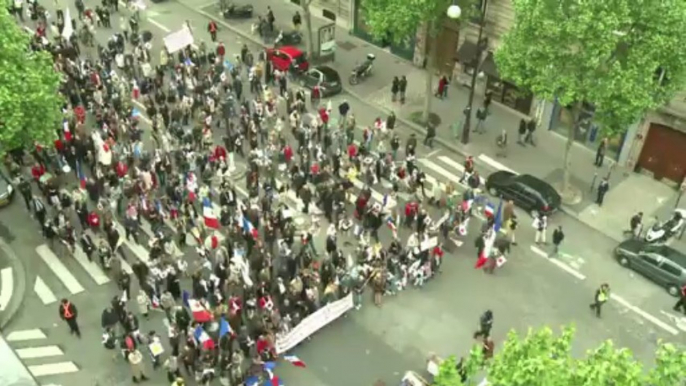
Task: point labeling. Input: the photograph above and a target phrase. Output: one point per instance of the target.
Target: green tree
(30, 104)
(623, 57)
(398, 20)
(542, 358)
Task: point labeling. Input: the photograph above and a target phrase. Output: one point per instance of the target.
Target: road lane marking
(455, 165)
(39, 352)
(158, 25)
(557, 262)
(7, 288)
(438, 169)
(93, 270)
(59, 269)
(495, 164)
(53, 369)
(680, 322)
(44, 292)
(433, 153)
(644, 314)
(138, 250)
(22, 335)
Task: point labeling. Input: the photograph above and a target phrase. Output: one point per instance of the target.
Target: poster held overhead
(176, 41)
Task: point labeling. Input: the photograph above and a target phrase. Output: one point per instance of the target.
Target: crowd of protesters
(162, 140)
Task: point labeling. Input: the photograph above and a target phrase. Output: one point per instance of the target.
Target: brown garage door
(664, 153)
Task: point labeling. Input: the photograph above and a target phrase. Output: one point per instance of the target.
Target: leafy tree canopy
(542, 358)
(399, 19)
(609, 53)
(30, 104)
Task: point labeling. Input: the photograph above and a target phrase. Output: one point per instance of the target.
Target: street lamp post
(475, 71)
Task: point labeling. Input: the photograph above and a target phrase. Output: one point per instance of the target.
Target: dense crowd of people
(163, 138)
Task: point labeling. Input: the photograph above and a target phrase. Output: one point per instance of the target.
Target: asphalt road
(373, 343)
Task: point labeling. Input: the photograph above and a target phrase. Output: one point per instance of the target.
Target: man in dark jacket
(558, 236)
(68, 313)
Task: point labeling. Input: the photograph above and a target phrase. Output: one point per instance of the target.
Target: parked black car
(235, 11)
(325, 77)
(526, 191)
(663, 265)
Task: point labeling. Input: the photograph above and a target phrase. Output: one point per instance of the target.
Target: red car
(282, 57)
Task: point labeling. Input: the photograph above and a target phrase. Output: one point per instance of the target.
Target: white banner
(314, 323)
(176, 41)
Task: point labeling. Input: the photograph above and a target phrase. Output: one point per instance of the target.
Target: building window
(588, 132)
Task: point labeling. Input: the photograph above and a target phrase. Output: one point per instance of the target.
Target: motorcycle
(292, 38)
(233, 11)
(661, 232)
(363, 70)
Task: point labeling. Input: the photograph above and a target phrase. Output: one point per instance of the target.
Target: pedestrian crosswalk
(66, 277)
(41, 358)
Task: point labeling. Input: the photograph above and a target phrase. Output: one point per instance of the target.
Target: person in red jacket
(221, 51)
(37, 171)
(94, 221)
(681, 304)
(212, 29)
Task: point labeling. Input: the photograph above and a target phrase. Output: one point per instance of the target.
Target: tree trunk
(571, 133)
(308, 27)
(430, 64)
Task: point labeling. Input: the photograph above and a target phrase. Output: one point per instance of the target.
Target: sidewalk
(544, 161)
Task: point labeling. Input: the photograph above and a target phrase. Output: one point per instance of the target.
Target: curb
(20, 281)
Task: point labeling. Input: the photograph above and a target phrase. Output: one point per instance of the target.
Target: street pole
(468, 110)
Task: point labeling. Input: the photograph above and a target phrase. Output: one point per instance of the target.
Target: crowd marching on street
(234, 270)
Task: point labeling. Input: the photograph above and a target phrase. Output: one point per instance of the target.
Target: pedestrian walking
(395, 87)
(602, 294)
(212, 29)
(603, 187)
(442, 90)
(511, 229)
(137, 368)
(501, 144)
(68, 313)
(402, 88)
(681, 303)
(297, 21)
(558, 236)
(541, 226)
(481, 115)
(485, 325)
(600, 153)
(430, 135)
(521, 132)
(635, 226)
(530, 128)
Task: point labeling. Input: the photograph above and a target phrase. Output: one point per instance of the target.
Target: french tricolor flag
(203, 339)
(211, 220)
(489, 210)
(294, 360)
(198, 310)
(212, 241)
(273, 378)
(249, 228)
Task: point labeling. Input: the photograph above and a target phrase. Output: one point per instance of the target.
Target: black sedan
(526, 191)
(325, 77)
(663, 265)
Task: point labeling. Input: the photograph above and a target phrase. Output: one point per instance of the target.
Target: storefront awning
(466, 53)
(489, 67)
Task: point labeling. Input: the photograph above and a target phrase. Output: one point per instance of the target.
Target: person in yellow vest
(68, 313)
(602, 295)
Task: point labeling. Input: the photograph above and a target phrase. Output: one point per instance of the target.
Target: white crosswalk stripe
(32, 345)
(59, 269)
(44, 292)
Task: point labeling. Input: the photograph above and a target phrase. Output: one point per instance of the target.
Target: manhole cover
(347, 46)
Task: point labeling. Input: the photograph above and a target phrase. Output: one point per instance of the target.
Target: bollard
(595, 177)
